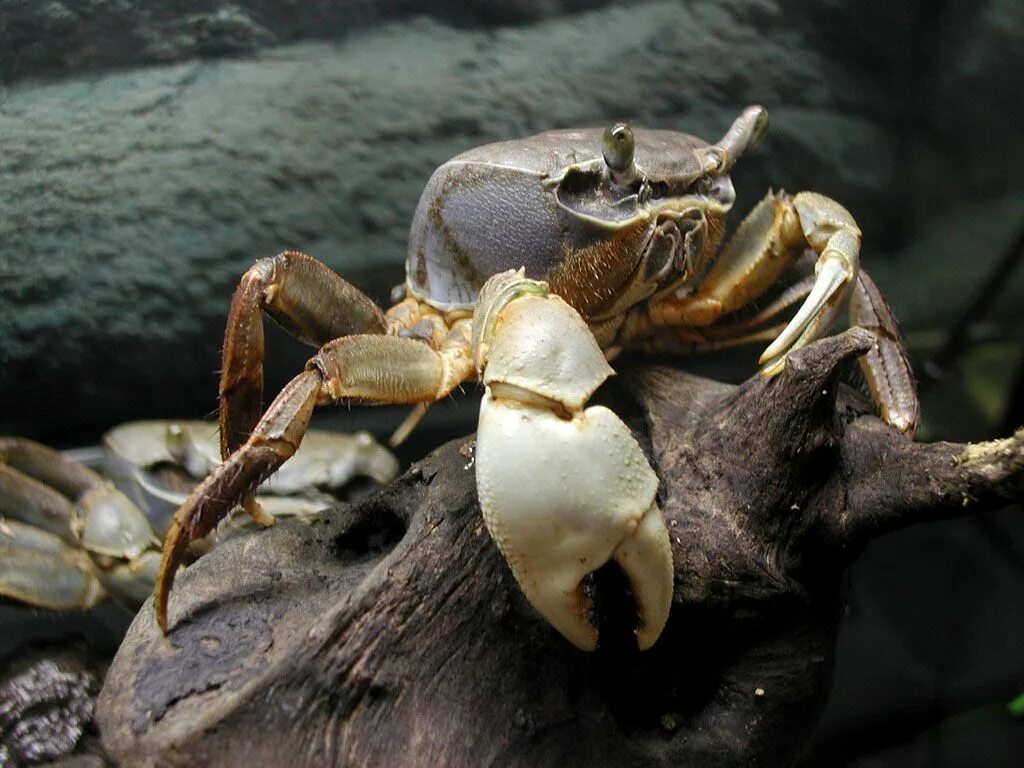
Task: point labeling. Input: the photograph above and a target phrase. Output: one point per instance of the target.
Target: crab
(71, 537)
(531, 264)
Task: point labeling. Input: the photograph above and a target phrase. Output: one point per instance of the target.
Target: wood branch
(392, 633)
(893, 483)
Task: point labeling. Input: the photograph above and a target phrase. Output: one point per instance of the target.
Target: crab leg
(644, 336)
(378, 369)
(767, 243)
(579, 491)
(831, 231)
(307, 299)
(66, 531)
(885, 365)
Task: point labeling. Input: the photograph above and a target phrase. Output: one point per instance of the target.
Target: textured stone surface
(134, 201)
(47, 39)
(47, 698)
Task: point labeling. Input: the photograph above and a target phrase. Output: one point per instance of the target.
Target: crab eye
(618, 147)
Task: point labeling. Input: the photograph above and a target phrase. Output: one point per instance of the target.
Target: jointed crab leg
(381, 369)
(830, 230)
(767, 243)
(885, 366)
(307, 299)
(790, 296)
(276, 437)
(749, 330)
(67, 536)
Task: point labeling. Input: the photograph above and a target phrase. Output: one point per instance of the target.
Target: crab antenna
(745, 133)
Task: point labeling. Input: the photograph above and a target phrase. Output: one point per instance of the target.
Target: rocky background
(150, 151)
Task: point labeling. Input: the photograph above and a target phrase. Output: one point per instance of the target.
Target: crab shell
(549, 204)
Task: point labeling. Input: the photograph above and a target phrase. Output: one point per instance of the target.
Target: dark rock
(73, 37)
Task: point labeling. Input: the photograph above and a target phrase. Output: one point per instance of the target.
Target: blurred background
(151, 150)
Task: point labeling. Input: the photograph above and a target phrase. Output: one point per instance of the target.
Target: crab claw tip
(581, 496)
(646, 559)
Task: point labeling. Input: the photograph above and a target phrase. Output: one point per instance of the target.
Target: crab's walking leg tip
(161, 618)
(174, 546)
(900, 422)
(773, 367)
(259, 515)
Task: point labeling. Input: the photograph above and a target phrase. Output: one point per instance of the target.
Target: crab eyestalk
(618, 147)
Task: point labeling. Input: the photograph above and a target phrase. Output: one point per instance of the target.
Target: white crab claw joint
(564, 488)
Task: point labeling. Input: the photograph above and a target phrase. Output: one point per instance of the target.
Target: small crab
(70, 536)
(530, 265)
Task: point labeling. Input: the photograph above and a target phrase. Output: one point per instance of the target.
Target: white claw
(833, 275)
(646, 559)
(563, 488)
(562, 497)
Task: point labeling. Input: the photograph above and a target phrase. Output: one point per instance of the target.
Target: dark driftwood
(392, 633)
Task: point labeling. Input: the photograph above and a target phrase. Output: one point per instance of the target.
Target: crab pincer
(580, 491)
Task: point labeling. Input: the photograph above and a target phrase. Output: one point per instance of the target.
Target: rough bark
(392, 633)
